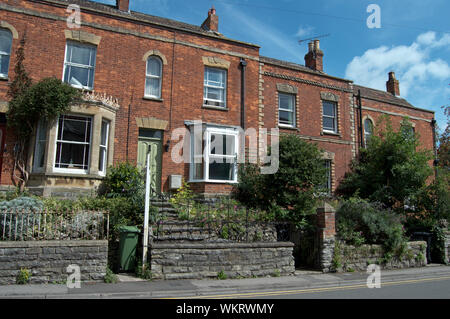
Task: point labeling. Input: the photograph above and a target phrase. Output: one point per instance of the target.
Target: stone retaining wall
(351, 258)
(48, 260)
(207, 260)
(447, 247)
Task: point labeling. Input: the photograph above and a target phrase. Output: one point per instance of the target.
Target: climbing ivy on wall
(29, 102)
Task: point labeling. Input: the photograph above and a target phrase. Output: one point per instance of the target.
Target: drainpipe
(360, 120)
(243, 67)
(436, 160)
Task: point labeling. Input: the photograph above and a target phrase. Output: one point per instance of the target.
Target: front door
(154, 146)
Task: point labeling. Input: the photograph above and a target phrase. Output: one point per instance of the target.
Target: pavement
(131, 287)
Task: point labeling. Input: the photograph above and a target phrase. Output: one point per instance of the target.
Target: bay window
(214, 155)
(73, 144)
(103, 154)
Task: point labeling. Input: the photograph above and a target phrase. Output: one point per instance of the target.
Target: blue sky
(413, 41)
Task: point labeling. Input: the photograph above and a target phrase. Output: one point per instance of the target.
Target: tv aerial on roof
(314, 38)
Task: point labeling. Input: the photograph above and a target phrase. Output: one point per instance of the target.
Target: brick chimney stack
(123, 5)
(212, 21)
(314, 57)
(392, 85)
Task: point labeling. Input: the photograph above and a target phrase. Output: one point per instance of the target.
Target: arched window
(5, 51)
(153, 77)
(368, 130)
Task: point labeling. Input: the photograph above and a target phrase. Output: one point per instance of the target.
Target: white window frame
(328, 130)
(8, 54)
(152, 76)
(91, 66)
(293, 97)
(72, 170)
(103, 148)
(206, 154)
(40, 144)
(221, 86)
(366, 134)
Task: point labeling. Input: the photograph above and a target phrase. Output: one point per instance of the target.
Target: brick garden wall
(48, 260)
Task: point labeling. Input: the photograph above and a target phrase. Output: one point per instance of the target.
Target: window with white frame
(79, 65)
(214, 155)
(329, 118)
(153, 77)
(103, 154)
(73, 144)
(39, 149)
(215, 87)
(5, 51)
(368, 130)
(286, 109)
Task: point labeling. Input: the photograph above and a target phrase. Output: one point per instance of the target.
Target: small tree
(297, 185)
(390, 169)
(46, 99)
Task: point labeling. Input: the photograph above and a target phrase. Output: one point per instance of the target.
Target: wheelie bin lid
(129, 229)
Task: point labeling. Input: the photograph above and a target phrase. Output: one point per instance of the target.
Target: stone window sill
(218, 108)
(149, 98)
(331, 134)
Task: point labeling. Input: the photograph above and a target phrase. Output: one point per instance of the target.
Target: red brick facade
(124, 40)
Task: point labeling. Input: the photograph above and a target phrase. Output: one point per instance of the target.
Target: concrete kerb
(199, 288)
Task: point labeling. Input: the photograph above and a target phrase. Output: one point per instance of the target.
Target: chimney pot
(314, 57)
(393, 85)
(211, 23)
(123, 5)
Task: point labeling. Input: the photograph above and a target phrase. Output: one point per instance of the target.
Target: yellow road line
(309, 290)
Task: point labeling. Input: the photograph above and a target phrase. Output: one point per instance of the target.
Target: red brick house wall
(120, 73)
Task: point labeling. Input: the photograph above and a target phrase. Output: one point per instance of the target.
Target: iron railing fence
(25, 225)
(219, 219)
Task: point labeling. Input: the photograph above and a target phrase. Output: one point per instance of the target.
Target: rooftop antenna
(314, 38)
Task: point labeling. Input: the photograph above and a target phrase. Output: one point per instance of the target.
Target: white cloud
(304, 30)
(412, 64)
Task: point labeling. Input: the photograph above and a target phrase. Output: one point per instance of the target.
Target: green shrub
(221, 275)
(123, 180)
(372, 224)
(29, 204)
(23, 277)
(144, 272)
(110, 277)
(293, 192)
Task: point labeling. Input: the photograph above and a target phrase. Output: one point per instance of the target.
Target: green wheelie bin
(127, 248)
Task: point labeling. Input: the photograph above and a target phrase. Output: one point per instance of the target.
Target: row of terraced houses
(145, 76)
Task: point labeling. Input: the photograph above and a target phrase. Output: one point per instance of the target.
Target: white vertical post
(147, 207)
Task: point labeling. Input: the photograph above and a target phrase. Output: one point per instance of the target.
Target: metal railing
(24, 225)
(215, 220)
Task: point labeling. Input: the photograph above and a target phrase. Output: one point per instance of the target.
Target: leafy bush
(296, 187)
(110, 277)
(23, 277)
(144, 272)
(29, 204)
(358, 221)
(390, 170)
(123, 180)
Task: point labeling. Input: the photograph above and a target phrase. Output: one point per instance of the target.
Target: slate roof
(143, 17)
